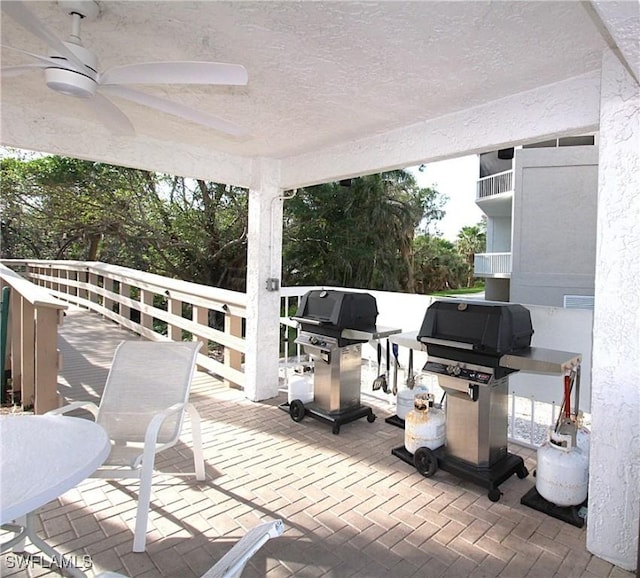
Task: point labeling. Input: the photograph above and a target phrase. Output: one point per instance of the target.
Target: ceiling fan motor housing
(71, 80)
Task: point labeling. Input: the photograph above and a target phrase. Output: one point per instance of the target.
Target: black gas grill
(347, 317)
(467, 343)
(333, 326)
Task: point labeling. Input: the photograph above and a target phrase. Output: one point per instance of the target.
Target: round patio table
(42, 457)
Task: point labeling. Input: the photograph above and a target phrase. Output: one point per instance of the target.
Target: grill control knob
(453, 370)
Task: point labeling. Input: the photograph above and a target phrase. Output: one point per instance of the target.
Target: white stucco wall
(614, 482)
(499, 234)
(531, 116)
(554, 224)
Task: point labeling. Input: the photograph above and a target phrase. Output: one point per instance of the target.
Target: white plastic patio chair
(142, 409)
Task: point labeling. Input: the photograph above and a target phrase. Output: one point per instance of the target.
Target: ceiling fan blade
(23, 16)
(180, 72)
(176, 109)
(43, 59)
(109, 115)
(9, 71)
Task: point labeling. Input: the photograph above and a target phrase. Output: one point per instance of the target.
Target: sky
(457, 179)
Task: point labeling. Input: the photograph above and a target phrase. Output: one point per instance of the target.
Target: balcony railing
(155, 307)
(492, 264)
(32, 333)
(494, 185)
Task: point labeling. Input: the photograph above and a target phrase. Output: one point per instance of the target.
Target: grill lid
(329, 312)
(482, 327)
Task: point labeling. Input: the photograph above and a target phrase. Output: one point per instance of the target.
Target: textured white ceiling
(320, 73)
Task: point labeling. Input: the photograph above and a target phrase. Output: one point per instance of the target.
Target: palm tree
(471, 240)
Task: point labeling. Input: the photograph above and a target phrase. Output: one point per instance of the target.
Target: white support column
(614, 484)
(264, 256)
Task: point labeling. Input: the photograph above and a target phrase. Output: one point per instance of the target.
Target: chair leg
(142, 511)
(196, 436)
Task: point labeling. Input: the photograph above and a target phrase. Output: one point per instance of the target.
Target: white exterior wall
(563, 330)
(554, 219)
(499, 234)
(614, 482)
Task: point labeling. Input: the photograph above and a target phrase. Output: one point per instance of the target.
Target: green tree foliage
(359, 236)
(205, 228)
(471, 240)
(55, 208)
(362, 236)
(61, 208)
(438, 265)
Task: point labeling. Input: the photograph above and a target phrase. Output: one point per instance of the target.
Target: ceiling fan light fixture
(69, 79)
(70, 82)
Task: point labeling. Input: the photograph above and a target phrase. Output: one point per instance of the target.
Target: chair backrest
(145, 378)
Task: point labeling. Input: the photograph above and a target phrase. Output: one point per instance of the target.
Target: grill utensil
(380, 382)
(411, 378)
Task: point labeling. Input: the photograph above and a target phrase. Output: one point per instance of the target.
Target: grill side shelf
(541, 360)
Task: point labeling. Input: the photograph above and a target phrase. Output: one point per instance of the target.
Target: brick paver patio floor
(350, 508)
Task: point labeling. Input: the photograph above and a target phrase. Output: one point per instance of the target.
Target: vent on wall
(578, 301)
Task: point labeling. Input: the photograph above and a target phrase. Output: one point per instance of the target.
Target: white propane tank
(424, 426)
(300, 388)
(562, 473)
(404, 401)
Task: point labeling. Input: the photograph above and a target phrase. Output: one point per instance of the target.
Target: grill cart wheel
(371, 417)
(494, 494)
(426, 463)
(296, 410)
(522, 473)
(336, 429)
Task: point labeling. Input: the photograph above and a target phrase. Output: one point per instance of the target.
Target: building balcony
(493, 185)
(492, 265)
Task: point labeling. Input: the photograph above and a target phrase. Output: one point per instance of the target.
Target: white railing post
(124, 291)
(175, 308)
(107, 283)
(146, 301)
(200, 315)
(232, 357)
(46, 360)
(27, 352)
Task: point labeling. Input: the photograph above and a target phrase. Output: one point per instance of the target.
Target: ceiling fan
(71, 69)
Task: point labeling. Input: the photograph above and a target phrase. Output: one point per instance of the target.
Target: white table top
(43, 456)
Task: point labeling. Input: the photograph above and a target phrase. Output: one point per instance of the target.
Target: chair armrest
(153, 429)
(157, 420)
(91, 407)
(233, 562)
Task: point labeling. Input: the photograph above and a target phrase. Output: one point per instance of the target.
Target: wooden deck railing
(155, 307)
(34, 316)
